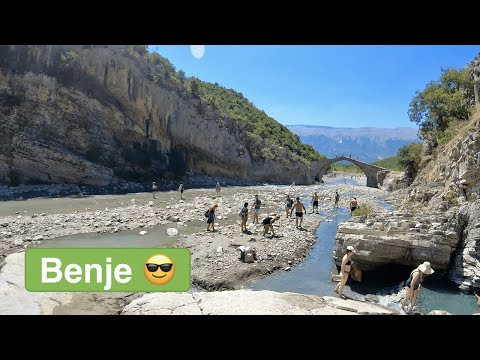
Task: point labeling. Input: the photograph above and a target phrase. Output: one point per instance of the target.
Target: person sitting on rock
(345, 269)
(414, 284)
(268, 224)
(211, 217)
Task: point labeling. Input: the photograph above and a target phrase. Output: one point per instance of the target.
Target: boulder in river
(172, 232)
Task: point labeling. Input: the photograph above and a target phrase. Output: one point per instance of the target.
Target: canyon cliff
(98, 115)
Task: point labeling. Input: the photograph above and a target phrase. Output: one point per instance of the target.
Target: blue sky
(339, 86)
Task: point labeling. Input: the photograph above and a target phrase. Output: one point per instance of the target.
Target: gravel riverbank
(215, 257)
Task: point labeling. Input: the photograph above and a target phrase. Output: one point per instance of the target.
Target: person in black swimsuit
(353, 205)
(345, 270)
(414, 284)
(298, 206)
(268, 224)
(315, 202)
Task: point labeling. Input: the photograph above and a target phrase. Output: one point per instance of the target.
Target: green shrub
(70, 60)
(391, 163)
(451, 198)
(363, 211)
(450, 132)
(410, 156)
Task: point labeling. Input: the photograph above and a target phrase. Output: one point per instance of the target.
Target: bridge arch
(373, 173)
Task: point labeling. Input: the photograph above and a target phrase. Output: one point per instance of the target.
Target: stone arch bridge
(374, 174)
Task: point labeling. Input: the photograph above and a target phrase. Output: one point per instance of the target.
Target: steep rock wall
(99, 119)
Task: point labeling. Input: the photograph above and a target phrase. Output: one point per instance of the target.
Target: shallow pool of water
(338, 180)
(124, 239)
(155, 237)
(441, 295)
(313, 275)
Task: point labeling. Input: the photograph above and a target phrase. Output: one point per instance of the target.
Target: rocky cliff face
(439, 216)
(400, 237)
(92, 115)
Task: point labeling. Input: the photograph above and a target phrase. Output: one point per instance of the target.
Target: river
(313, 275)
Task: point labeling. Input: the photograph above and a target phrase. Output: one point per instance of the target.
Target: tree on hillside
(195, 88)
(410, 157)
(181, 75)
(443, 102)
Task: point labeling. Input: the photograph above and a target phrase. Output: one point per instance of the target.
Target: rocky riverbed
(215, 257)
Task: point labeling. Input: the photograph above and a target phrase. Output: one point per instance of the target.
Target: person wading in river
(345, 269)
(414, 284)
(337, 199)
(298, 206)
(478, 298)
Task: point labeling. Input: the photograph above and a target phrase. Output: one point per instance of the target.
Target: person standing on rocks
(268, 224)
(181, 188)
(298, 206)
(315, 202)
(154, 189)
(345, 269)
(414, 284)
(217, 188)
(353, 205)
(256, 209)
(211, 217)
(288, 206)
(244, 215)
(337, 199)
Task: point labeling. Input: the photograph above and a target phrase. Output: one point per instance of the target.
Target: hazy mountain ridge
(367, 143)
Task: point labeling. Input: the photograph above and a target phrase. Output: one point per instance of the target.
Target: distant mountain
(367, 144)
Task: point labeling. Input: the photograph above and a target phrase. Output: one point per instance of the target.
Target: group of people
(268, 222)
(290, 206)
